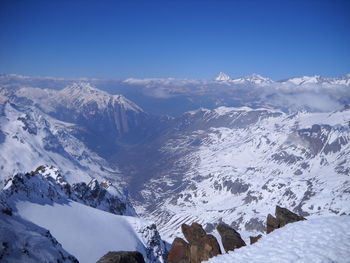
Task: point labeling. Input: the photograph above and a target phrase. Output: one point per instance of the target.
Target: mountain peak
(222, 77)
(256, 78)
(82, 86)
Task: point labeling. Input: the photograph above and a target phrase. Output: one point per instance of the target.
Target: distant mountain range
(175, 96)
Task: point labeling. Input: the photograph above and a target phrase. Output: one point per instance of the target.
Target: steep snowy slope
(324, 240)
(106, 123)
(30, 138)
(23, 241)
(81, 102)
(87, 220)
(235, 165)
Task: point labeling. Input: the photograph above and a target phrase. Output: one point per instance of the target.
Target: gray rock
(283, 217)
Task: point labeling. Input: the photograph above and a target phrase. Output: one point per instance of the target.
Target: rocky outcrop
(200, 246)
(122, 257)
(255, 239)
(283, 217)
(193, 233)
(230, 238)
(271, 223)
(156, 248)
(179, 252)
(101, 195)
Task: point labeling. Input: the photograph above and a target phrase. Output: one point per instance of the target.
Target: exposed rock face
(255, 239)
(271, 223)
(122, 257)
(206, 249)
(193, 233)
(201, 246)
(231, 239)
(283, 217)
(179, 252)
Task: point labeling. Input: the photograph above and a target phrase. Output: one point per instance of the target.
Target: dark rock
(122, 257)
(206, 249)
(231, 239)
(201, 246)
(271, 223)
(284, 216)
(7, 211)
(179, 252)
(193, 233)
(210, 245)
(255, 239)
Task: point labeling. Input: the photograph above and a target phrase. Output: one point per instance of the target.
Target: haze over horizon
(179, 39)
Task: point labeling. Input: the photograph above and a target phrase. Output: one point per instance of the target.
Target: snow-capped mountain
(222, 77)
(175, 96)
(85, 220)
(235, 165)
(254, 78)
(305, 80)
(81, 102)
(30, 138)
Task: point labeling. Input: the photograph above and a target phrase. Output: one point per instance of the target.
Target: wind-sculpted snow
(87, 220)
(237, 169)
(325, 239)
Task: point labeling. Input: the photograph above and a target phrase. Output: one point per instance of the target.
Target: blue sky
(182, 39)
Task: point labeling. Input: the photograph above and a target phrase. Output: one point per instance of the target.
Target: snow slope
(23, 241)
(85, 232)
(86, 220)
(325, 240)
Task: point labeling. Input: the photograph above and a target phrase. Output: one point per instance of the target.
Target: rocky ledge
(200, 246)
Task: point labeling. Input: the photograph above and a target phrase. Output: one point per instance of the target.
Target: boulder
(210, 245)
(179, 252)
(230, 238)
(206, 249)
(255, 239)
(193, 233)
(122, 257)
(271, 223)
(284, 216)
(201, 246)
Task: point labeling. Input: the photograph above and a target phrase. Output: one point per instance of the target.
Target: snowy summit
(222, 77)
